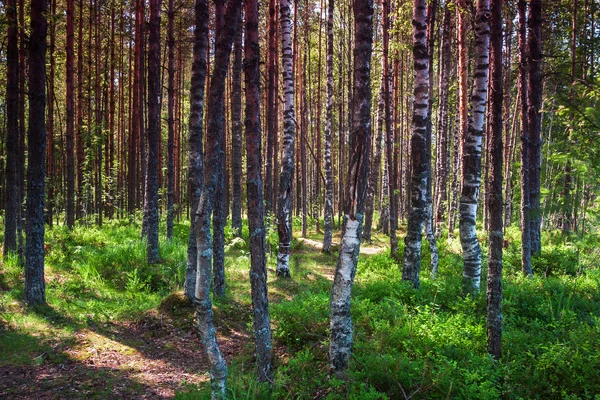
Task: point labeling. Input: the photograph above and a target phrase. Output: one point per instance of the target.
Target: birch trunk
(284, 214)
(328, 218)
(471, 157)
(196, 126)
(418, 144)
(494, 147)
(212, 175)
(340, 323)
(258, 270)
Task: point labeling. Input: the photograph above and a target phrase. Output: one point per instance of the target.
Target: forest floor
(61, 351)
(118, 328)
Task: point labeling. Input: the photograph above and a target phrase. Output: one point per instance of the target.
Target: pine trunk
(340, 323)
(35, 289)
(258, 271)
(236, 136)
(418, 146)
(171, 120)
(471, 157)
(212, 175)
(13, 192)
(284, 214)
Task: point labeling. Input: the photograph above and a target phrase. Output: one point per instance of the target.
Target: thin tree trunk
(212, 175)
(258, 271)
(80, 133)
(494, 147)
(328, 219)
(418, 145)
(525, 143)
(236, 136)
(35, 288)
(471, 164)
(340, 323)
(195, 140)
(284, 214)
(171, 120)
(50, 163)
(271, 100)
(534, 88)
(375, 170)
(13, 191)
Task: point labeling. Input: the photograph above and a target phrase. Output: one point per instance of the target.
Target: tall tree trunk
(206, 204)
(328, 219)
(195, 140)
(50, 164)
(389, 142)
(21, 158)
(271, 101)
(375, 170)
(525, 143)
(568, 179)
(418, 145)
(151, 197)
(340, 322)
(258, 270)
(236, 136)
(442, 159)
(284, 214)
(171, 120)
(534, 88)
(471, 165)
(35, 289)
(218, 217)
(13, 190)
(494, 147)
(80, 132)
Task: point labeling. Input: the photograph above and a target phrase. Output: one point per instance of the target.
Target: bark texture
(13, 192)
(171, 119)
(495, 209)
(35, 289)
(70, 115)
(254, 186)
(196, 126)
(471, 156)
(154, 91)
(328, 217)
(284, 213)
(340, 323)
(206, 205)
(236, 136)
(418, 147)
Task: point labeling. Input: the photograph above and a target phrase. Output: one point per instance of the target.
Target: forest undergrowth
(116, 327)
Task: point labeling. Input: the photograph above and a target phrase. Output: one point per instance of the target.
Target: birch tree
(328, 220)
(418, 145)
(471, 157)
(340, 323)
(284, 214)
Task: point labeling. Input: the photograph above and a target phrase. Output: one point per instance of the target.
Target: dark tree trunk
(212, 176)
(328, 219)
(284, 214)
(236, 136)
(418, 145)
(495, 209)
(340, 322)
(196, 126)
(35, 289)
(258, 270)
(525, 143)
(534, 89)
(271, 100)
(80, 132)
(151, 197)
(171, 120)
(13, 190)
(50, 164)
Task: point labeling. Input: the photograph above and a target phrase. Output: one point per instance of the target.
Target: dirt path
(363, 249)
(145, 359)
